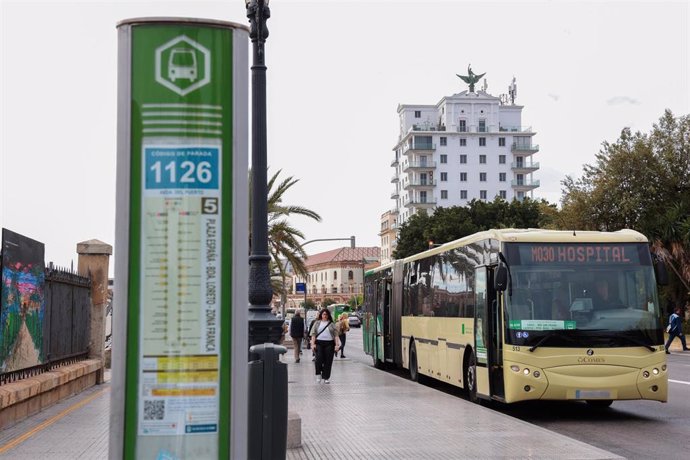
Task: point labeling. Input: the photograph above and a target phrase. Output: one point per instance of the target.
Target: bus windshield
(584, 294)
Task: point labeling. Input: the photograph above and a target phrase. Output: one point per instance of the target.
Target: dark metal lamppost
(263, 326)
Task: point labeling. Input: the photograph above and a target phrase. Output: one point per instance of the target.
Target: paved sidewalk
(363, 414)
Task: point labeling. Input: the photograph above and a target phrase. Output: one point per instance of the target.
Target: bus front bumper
(585, 382)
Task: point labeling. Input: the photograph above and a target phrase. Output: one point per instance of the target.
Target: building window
(418, 114)
(463, 142)
(444, 158)
(444, 140)
(482, 141)
(335, 275)
(502, 159)
(482, 194)
(482, 159)
(502, 194)
(462, 126)
(501, 177)
(444, 194)
(482, 126)
(463, 194)
(350, 275)
(463, 177)
(334, 289)
(501, 141)
(482, 177)
(444, 176)
(463, 159)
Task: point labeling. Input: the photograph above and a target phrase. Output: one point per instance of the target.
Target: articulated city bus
(513, 315)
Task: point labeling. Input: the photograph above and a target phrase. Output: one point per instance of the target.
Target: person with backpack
(325, 343)
(675, 329)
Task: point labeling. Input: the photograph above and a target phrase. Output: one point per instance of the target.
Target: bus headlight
(525, 371)
(645, 374)
(515, 368)
(663, 368)
(537, 374)
(655, 371)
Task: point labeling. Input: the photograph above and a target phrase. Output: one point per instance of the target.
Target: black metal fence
(66, 322)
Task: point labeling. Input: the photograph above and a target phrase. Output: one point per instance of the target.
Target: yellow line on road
(16, 441)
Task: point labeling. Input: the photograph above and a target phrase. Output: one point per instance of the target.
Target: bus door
(496, 348)
(384, 351)
(487, 337)
(387, 285)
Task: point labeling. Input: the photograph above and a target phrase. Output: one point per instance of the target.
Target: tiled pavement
(80, 433)
(363, 414)
(368, 414)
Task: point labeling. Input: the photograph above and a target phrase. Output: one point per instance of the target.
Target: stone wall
(26, 397)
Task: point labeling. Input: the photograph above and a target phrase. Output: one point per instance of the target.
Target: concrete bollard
(268, 403)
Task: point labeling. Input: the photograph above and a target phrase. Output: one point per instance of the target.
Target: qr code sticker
(154, 410)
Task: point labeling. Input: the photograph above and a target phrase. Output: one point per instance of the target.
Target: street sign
(301, 287)
(182, 168)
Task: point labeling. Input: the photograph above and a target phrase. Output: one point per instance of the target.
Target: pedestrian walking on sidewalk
(325, 343)
(308, 338)
(297, 333)
(343, 329)
(675, 329)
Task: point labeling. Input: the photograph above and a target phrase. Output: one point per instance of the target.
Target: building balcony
(395, 211)
(419, 147)
(395, 194)
(417, 184)
(394, 163)
(417, 203)
(523, 148)
(524, 167)
(419, 166)
(477, 129)
(395, 178)
(427, 127)
(524, 184)
(514, 129)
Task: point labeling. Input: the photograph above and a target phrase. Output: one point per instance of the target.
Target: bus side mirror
(660, 271)
(501, 278)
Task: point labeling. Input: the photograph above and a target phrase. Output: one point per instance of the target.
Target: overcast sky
(337, 71)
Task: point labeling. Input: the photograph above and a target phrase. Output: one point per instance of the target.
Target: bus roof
(530, 235)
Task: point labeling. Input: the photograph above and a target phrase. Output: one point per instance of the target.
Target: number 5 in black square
(209, 205)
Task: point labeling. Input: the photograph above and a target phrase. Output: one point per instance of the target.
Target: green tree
(641, 181)
(448, 224)
(355, 301)
(327, 301)
(308, 305)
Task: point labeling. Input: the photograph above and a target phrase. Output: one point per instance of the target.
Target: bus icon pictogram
(182, 65)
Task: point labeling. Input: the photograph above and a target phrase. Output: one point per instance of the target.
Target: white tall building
(470, 145)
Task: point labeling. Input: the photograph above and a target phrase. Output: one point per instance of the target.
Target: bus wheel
(414, 370)
(600, 403)
(471, 378)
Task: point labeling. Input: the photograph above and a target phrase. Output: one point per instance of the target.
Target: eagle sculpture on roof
(471, 78)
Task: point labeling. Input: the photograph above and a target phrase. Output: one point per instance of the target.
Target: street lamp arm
(350, 239)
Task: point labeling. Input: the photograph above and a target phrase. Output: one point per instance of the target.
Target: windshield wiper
(549, 336)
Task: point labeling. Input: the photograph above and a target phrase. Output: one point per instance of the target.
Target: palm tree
(284, 240)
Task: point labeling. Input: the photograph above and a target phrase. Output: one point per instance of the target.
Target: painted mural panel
(22, 302)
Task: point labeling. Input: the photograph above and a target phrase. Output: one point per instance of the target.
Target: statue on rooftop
(471, 78)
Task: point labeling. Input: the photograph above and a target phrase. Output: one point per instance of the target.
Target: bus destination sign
(585, 254)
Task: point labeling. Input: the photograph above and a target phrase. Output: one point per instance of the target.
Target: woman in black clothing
(325, 341)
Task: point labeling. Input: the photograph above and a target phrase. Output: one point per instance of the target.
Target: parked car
(354, 320)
